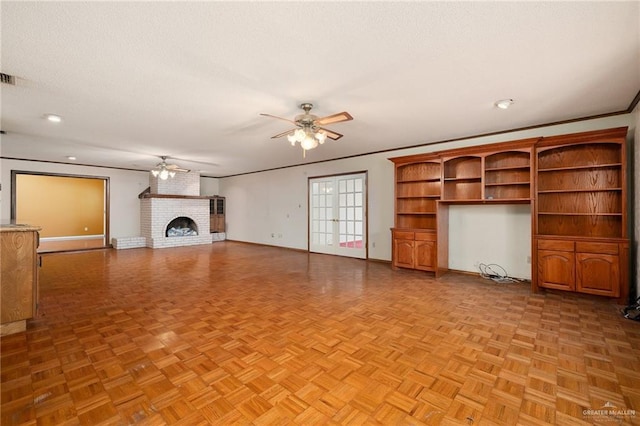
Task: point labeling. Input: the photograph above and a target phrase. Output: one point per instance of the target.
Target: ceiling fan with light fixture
(309, 131)
(165, 171)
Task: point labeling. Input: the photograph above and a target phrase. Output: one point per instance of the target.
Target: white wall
(275, 202)
(490, 234)
(209, 186)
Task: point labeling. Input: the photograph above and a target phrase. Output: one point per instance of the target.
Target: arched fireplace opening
(181, 227)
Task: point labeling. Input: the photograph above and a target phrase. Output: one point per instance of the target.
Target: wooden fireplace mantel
(184, 197)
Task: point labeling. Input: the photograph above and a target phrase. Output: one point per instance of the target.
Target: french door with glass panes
(338, 214)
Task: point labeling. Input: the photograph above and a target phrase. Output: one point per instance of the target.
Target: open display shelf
(417, 190)
(508, 176)
(580, 190)
(462, 178)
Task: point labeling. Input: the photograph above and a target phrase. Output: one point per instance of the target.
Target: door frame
(105, 179)
(366, 207)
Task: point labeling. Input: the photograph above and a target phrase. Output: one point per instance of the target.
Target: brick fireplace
(171, 199)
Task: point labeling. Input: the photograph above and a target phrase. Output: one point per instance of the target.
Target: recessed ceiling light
(504, 103)
(53, 118)
(71, 157)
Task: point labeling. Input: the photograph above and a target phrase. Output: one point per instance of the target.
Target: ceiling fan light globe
(164, 174)
(172, 174)
(300, 135)
(155, 172)
(321, 136)
(309, 143)
(292, 139)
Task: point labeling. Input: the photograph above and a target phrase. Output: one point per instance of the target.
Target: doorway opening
(72, 210)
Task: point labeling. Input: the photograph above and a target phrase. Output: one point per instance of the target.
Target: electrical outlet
(273, 235)
(529, 259)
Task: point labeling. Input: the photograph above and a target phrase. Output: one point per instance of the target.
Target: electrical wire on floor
(632, 311)
(495, 272)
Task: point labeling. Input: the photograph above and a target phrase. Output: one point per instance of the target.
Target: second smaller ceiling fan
(310, 130)
(165, 171)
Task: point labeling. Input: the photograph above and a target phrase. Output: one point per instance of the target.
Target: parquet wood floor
(232, 333)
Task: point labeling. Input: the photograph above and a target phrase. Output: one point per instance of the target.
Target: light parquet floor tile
(233, 333)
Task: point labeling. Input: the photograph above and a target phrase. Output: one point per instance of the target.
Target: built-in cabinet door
(425, 255)
(217, 223)
(216, 211)
(403, 250)
(598, 274)
(556, 269)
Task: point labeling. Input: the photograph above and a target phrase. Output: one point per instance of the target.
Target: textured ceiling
(136, 80)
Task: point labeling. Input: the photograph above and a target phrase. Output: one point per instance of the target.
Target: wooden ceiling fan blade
(176, 168)
(279, 135)
(334, 118)
(331, 134)
(279, 118)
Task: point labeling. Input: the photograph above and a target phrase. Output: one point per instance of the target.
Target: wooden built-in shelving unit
(580, 238)
(577, 187)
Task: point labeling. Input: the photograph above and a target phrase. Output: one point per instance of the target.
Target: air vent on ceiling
(7, 79)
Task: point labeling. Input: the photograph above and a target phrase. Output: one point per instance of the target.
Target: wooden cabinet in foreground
(19, 271)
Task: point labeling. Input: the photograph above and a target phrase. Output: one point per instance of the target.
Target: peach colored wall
(62, 206)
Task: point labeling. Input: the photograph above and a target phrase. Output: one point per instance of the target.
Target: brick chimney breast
(181, 184)
(169, 199)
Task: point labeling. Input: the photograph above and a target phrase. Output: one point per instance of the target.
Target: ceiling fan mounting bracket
(306, 120)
